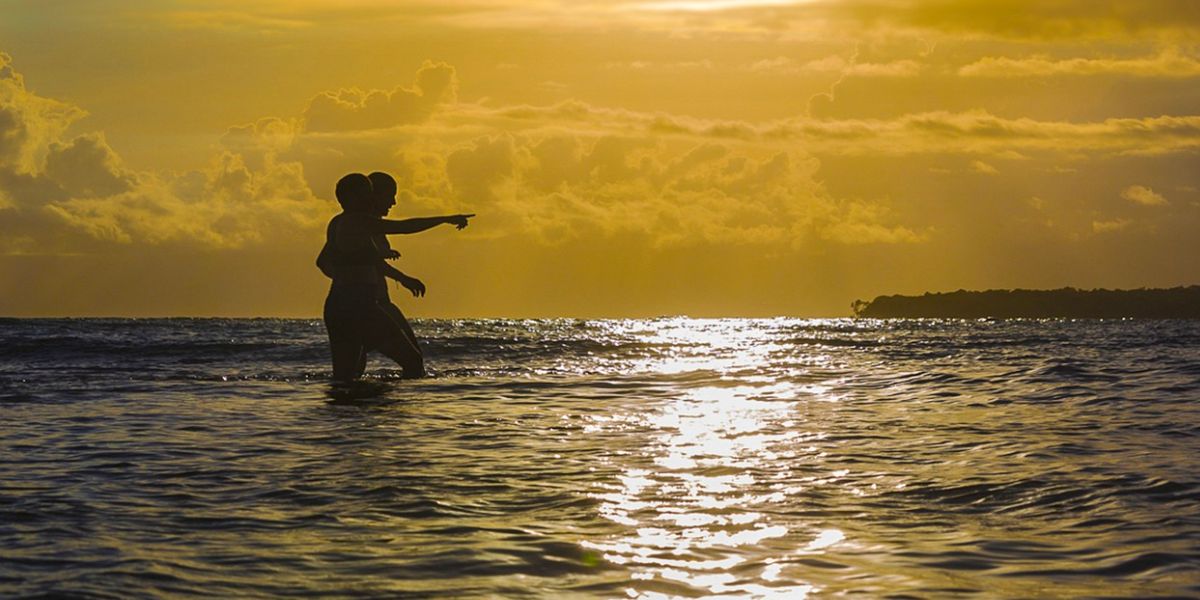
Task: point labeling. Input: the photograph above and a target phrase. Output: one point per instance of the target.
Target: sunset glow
(745, 158)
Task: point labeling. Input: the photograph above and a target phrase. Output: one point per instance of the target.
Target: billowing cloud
(224, 206)
(473, 171)
(663, 141)
(548, 174)
(573, 171)
(58, 193)
(542, 184)
(1139, 194)
(28, 123)
(350, 109)
(552, 173)
(266, 136)
(87, 167)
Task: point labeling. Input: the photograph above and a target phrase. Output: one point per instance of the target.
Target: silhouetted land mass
(1173, 303)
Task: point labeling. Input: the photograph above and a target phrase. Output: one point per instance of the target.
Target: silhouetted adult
(355, 318)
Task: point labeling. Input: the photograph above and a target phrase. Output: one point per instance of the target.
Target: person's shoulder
(352, 217)
(356, 223)
(333, 223)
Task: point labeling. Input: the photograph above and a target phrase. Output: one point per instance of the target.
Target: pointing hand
(460, 221)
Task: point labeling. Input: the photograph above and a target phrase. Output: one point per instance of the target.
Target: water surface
(610, 459)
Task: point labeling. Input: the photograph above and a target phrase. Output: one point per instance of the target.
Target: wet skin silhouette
(358, 314)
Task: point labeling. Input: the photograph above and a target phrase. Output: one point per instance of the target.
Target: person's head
(383, 188)
(354, 193)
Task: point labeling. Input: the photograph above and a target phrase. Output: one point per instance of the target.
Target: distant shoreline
(1172, 303)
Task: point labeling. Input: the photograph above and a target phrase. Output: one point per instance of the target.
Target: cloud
(275, 16)
(1004, 19)
(223, 206)
(1169, 64)
(232, 20)
(6, 70)
(574, 172)
(28, 123)
(264, 138)
(473, 171)
(978, 131)
(1143, 195)
(60, 194)
(978, 166)
(681, 194)
(87, 167)
(1021, 19)
(646, 65)
(556, 160)
(352, 109)
(1056, 19)
(837, 64)
(1110, 226)
(546, 174)
(861, 223)
(935, 132)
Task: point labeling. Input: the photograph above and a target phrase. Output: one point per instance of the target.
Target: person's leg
(361, 366)
(347, 365)
(345, 346)
(406, 356)
(399, 318)
(394, 342)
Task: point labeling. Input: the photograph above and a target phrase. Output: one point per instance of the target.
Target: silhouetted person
(355, 318)
(383, 188)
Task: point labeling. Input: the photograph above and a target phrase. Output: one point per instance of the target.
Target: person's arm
(419, 224)
(413, 284)
(379, 244)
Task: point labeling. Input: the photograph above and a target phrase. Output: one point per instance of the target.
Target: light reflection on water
(645, 459)
(714, 463)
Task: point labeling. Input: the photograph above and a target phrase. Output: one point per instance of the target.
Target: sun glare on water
(702, 495)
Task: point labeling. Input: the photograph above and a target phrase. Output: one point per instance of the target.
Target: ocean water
(656, 458)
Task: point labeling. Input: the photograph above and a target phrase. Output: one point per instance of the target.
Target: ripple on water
(649, 458)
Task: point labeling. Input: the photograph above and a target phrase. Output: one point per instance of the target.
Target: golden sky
(625, 158)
